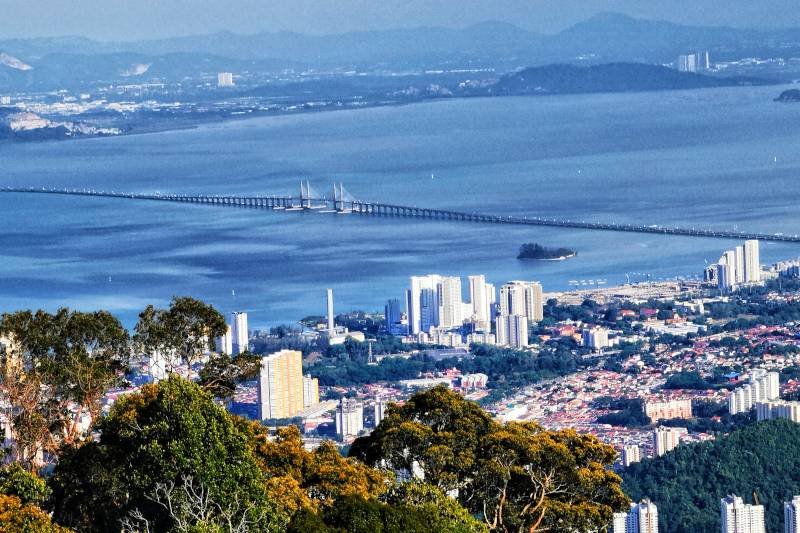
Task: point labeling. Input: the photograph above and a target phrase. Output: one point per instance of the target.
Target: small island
(792, 95)
(533, 250)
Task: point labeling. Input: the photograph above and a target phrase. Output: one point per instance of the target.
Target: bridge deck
(294, 203)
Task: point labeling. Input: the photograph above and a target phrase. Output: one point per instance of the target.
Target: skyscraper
(349, 418)
(239, 332)
(791, 516)
(331, 324)
(666, 439)
(512, 330)
(280, 385)
(225, 79)
(739, 517)
(738, 254)
(752, 262)
(392, 314)
(225, 342)
(522, 298)
(380, 409)
(642, 518)
(422, 303)
(310, 391)
(450, 303)
(479, 300)
(630, 454)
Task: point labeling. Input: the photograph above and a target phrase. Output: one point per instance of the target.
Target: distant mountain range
(602, 39)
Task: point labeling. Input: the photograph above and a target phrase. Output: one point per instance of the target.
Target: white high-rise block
(791, 516)
(752, 262)
(739, 517)
(479, 299)
(239, 332)
(331, 325)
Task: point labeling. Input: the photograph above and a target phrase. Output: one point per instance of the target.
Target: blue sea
(724, 158)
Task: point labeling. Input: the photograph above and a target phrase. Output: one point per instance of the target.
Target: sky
(143, 19)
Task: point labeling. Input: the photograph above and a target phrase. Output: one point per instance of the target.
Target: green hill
(688, 483)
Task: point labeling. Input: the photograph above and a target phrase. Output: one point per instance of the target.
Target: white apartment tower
(642, 518)
(331, 324)
(422, 303)
(380, 410)
(763, 386)
(225, 343)
(752, 262)
(310, 391)
(522, 298)
(512, 330)
(239, 333)
(349, 418)
(738, 254)
(225, 79)
(666, 439)
(480, 300)
(631, 454)
(739, 517)
(791, 516)
(450, 303)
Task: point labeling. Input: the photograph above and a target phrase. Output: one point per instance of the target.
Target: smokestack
(330, 310)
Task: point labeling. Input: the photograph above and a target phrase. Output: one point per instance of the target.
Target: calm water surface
(727, 158)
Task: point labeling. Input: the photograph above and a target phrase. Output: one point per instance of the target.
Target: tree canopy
(517, 477)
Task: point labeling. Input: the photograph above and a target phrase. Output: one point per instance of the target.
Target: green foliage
(163, 435)
(630, 413)
(16, 481)
(512, 475)
(687, 380)
(691, 480)
(19, 517)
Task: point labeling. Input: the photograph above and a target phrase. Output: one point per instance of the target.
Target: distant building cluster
(631, 453)
(735, 515)
(778, 409)
(763, 386)
(697, 62)
(436, 313)
(736, 267)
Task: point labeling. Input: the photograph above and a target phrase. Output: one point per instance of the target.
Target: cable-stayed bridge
(342, 202)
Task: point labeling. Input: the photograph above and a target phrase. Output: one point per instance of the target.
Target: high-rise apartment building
(281, 385)
(752, 262)
(349, 418)
(666, 439)
(422, 303)
(738, 254)
(512, 330)
(595, 338)
(310, 391)
(631, 454)
(331, 317)
(642, 518)
(522, 298)
(451, 305)
(239, 333)
(791, 516)
(775, 409)
(225, 79)
(394, 317)
(739, 517)
(224, 344)
(668, 410)
(480, 300)
(380, 410)
(763, 386)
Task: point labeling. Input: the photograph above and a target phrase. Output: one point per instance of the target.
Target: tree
(55, 369)
(16, 481)
(223, 372)
(154, 440)
(186, 330)
(535, 480)
(299, 479)
(436, 431)
(518, 477)
(19, 517)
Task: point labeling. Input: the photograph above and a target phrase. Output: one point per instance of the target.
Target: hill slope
(688, 483)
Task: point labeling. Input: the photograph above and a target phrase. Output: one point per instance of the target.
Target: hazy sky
(133, 19)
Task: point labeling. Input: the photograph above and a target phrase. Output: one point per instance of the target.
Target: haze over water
(719, 158)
